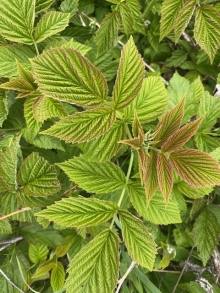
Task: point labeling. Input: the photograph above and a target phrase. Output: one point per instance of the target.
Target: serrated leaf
(177, 59)
(182, 135)
(183, 18)
(38, 177)
(193, 192)
(170, 123)
(126, 17)
(47, 142)
(104, 147)
(102, 263)
(100, 177)
(69, 6)
(3, 107)
(80, 212)
(107, 34)
(150, 102)
(150, 178)
(64, 74)
(20, 85)
(192, 287)
(157, 211)
(83, 126)
(139, 242)
(51, 23)
(57, 276)
(195, 167)
(165, 176)
(43, 269)
(207, 29)
(5, 227)
(206, 232)
(137, 16)
(8, 56)
(206, 143)
(130, 76)
(170, 11)
(45, 108)
(42, 5)
(38, 253)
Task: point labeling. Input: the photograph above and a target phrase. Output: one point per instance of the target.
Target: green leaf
(12, 24)
(47, 142)
(165, 176)
(151, 101)
(100, 177)
(21, 85)
(83, 126)
(45, 108)
(208, 105)
(64, 74)
(183, 18)
(195, 167)
(5, 227)
(38, 177)
(57, 277)
(102, 264)
(150, 178)
(177, 59)
(193, 192)
(206, 143)
(107, 34)
(207, 29)
(51, 23)
(126, 17)
(69, 6)
(170, 11)
(170, 123)
(130, 76)
(38, 253)
(104, 147)
(80, 212)
(43, 269)
(205, 234)
(182, 135)
(42, 5)
(139, 242)
(192, 287)
(157, 211)
(138, 19)
(3, 107)
(8, 56)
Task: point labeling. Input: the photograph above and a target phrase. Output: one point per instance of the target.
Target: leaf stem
(148, 9)
(121, 281)
(36, 48)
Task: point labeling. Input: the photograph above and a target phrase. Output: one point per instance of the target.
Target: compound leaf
(140, 244)
(196, 167)
(100, 177)
(64, 74)
(101, 270)
(130, 76)
(79, 212)
(83, 126)
(38, 177)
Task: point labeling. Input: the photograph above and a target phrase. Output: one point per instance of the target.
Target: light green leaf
(80, 212)
(21, 85)
(51, 23)
(64, 74)
(12, 24)
(216, 154)
(42, 5)
(104, 147)
(151, 101)
(8, 56)
(183, 18)
(107, 34)
(157, 211)
(139, 242)
(3, 106)
(38, 253)
(83, 126)
(100, 177)
(193, 192)
(57, 277)
(207, 29)
(5, 227)
(102, 264)
(38, 177)
(130, 76)
(47, 142)
(138, 19)
(209, 105)
(43, 269)
(69, 6)
(126, 17)
(206, 143)
(206, 231)
(170, 11)
(45, 108)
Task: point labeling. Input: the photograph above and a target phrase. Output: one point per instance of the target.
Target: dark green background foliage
(109, 146)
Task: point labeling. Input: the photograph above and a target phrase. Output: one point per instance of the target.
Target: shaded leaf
(69, 6)
(5, 227)
(137, 15)
(42, 5)
(126, 17)
(37, 253)
(57, 276)
(3, 107)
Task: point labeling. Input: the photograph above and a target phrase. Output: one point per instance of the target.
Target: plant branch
(121, 281)
(7, 278)
(11, 241)
(14, 213)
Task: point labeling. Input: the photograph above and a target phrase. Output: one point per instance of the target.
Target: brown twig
(14, 213)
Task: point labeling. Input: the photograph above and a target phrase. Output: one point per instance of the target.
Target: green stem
(36, 48)
(148, 9)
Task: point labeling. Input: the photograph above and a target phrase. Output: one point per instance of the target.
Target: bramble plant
(109, 173)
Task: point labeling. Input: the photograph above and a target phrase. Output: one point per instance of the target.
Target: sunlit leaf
(57, 276)
(165, 176)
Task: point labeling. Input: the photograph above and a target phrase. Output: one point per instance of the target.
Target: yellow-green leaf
(57, 277)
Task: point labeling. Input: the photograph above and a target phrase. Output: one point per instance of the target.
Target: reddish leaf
(165, 176)
(170, 122)
(182, 135)
(137, 129)
(142, 161)
(151, 180)
(135, 143)
(195, 167)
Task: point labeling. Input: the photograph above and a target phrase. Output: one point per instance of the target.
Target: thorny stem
(183, 270)
(121, 281)
(14, 213)
(7, 278)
